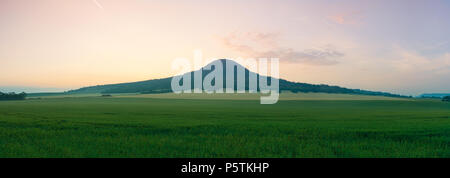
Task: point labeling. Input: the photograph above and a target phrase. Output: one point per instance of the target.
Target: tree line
(12, 96)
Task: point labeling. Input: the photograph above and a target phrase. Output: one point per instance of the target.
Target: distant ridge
(434, 95)
(164, 86)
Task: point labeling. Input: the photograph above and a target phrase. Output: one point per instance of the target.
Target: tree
(446, 98)
(12, 96)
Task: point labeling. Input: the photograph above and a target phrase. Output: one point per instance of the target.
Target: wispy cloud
(98, 4)
(410, 61)
(267, 43)
(348, 18)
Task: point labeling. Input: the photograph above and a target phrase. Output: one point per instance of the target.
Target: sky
(400, 46)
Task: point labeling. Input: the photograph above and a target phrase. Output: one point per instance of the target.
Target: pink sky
(401, 47)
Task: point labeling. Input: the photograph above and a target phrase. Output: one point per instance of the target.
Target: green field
(165, 125)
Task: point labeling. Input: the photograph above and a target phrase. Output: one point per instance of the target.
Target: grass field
(300, 125)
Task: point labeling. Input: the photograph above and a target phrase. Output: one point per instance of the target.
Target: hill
(164, 85)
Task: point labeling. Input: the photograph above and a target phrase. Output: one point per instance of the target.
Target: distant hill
(164, 86)
(434, 95)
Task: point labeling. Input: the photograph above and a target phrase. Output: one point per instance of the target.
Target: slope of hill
(164, 85)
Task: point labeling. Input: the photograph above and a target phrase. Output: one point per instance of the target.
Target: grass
(162, 125)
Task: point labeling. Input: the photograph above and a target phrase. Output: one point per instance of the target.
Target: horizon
(18, 89)
(377, 46)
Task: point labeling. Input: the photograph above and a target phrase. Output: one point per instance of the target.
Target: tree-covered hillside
(164, 85)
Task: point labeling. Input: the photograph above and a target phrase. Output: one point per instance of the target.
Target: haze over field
(394, 46)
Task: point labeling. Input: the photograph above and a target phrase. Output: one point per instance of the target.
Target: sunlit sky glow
(400, 46)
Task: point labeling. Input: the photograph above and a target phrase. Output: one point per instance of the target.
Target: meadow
(190, 126)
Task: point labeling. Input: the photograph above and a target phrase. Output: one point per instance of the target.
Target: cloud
(98, 4)
(311, 56)
(351, 18)
(247, 43)
(409, 61)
